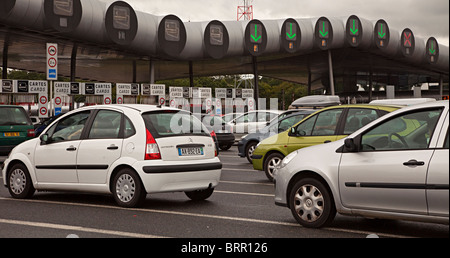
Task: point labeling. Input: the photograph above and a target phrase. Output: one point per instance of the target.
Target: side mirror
(350, 146)
(292, 131)
(44, 139)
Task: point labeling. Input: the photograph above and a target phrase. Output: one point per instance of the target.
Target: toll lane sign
(52, 62)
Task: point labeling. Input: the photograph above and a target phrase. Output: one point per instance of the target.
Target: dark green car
(15, 128)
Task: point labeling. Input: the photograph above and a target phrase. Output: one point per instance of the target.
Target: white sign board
(52, 62)
(175, 92)
(157, 89)
(221, 93)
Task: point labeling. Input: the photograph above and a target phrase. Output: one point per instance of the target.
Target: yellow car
(327, 125)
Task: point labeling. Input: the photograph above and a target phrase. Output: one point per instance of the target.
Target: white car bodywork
(410, 184)
(89, 165)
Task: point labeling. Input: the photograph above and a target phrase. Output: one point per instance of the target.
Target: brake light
(214, 136)
(30, 133)
(151, 149)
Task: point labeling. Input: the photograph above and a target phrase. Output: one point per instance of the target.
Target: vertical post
(191, 74)
(441, 87)
(73, 72)
(370, 84)
(330, 67)
(255, 73)
(152, 71)
(5, 57)
(309, 82)
(134, 71)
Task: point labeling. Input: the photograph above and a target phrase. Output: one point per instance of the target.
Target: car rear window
(14, 116)
(168, 123)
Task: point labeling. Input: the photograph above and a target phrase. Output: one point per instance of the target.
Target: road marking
(76, 228)
(247, 183)
(237, 169)
(244, 193)
(203, 216)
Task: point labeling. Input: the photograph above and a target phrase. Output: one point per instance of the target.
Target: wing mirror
(350, 145)
(44, 139)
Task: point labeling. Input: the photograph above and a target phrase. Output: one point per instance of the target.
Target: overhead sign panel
(63, 15)
(121, 23)
(408, 42)
(216, 40)
(353, 31)
(323, 33)
(171, 35)
(432, 50)
(381, 34)
(255, 37)
(290, 36)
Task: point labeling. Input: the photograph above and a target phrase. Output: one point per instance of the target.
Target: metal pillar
(441, 86)
(5, 57)
(191, 74)
(256, 79)
(73, 72)
(134, 71)
(152, 71)
(330, 67)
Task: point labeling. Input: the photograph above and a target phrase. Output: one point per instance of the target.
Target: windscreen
(170, 123)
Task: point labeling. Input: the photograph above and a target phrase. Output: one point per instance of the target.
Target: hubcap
(125, 188)
(250, 151)
(273, 164)
(309, 203)
(17, 181)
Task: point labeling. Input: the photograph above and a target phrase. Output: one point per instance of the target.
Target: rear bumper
(160, 178)
(225, 138)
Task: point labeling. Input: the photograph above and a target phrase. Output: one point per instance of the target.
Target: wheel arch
(116, 170)
(308, 174)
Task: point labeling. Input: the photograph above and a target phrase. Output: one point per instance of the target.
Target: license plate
(11, 134)
(190, 151)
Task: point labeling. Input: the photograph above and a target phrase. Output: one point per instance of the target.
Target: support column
(256, 79)
(73, 72)
(441, 87)
(152, 71)
(191, 74)
(5, 57)
(330, 67)
(134, 71)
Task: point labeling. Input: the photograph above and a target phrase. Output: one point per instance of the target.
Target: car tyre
(249, 150)
(20, 185)
(270, 164)
(127, 189)
(311, 203)
(225, 147)
(200, 195)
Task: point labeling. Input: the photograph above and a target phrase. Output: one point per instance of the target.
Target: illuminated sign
(353, 31)
(216, 35)
(255, 33)
(323, 33)
(432, 50)
(408, 42)
(63, 7)
(382, 34)
(291, 31)
(121, 18)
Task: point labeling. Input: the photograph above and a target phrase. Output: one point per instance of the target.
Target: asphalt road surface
(241, 207)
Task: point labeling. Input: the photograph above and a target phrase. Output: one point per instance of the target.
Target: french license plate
(190, 151)
(11, 134)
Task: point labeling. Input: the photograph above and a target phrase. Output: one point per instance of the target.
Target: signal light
(214, 136)
(151, 148)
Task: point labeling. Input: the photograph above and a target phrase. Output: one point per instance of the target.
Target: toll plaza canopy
(115, 43)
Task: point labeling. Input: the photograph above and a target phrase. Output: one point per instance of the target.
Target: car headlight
(288, 159)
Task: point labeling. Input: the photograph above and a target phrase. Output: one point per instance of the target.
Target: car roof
(137, 107)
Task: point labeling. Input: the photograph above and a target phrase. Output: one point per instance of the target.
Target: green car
(327, 125)
(15, 127)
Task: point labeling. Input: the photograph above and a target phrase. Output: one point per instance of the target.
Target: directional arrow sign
(323, 31)
(432, 49)
(255, 33)
(381, 31)
(291, 30)
(354, 30)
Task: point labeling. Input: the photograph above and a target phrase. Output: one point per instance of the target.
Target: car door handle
(414, 162)
(113, 147)
(71, 148)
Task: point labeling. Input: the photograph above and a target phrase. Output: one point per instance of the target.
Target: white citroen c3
(126, 150)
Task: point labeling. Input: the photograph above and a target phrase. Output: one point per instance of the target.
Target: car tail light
(214, 136)
(30, 133)
(151, 149)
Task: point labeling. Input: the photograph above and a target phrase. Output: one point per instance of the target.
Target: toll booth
(26, 92)
(127, 93)
(153, 94)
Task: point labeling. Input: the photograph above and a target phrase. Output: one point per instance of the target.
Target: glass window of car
(446, 141)
(68, 128)
(326, 122)
(129, 128)
(357, 118)
(409, 131)
(14, 116)
(106, 125)
(246, 118)
(287, 123)
(173, 123)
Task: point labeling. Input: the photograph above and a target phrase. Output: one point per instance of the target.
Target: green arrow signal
(256, 37)
(354, 30)
(290, 35)
(323, 32)
(380, 33)
(432, 49)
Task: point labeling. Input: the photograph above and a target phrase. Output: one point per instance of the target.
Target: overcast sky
(426, 18)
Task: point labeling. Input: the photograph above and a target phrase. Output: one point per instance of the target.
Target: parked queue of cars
(371, 160)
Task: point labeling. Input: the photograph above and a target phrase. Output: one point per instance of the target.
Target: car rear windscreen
(167, 123)
(14, 116)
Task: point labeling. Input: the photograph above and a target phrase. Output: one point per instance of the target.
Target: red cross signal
(407, 42)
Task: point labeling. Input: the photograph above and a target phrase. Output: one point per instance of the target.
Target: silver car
(396, 167)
